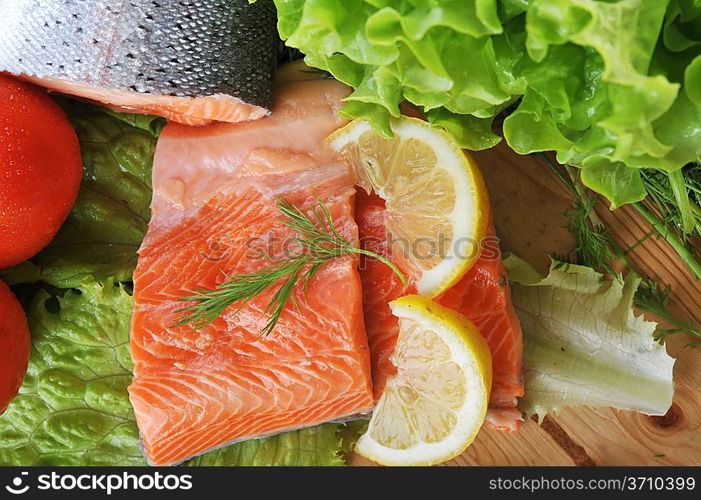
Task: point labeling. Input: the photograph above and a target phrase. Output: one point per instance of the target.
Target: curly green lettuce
(611, 86)
(583, 345)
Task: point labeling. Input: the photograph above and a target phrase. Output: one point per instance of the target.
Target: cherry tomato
(15, 342)
(40, 169)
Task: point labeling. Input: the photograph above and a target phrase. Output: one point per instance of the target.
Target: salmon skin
(482, 295)
(214, 212)
(192, 61)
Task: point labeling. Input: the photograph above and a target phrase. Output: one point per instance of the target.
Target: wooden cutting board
(529, 204)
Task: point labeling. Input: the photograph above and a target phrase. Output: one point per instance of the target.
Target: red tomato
(15, 342)
(40, 169)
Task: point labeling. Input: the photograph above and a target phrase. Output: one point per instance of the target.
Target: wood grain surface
(529, 204)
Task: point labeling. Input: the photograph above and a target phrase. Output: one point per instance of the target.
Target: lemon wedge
(433, 407)
(437, 203)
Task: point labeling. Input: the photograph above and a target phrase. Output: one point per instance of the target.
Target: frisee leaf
(319, 243)
(583, 345)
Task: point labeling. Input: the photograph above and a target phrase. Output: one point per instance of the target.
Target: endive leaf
(583, 345)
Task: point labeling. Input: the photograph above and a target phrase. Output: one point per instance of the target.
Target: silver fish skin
(178, 48)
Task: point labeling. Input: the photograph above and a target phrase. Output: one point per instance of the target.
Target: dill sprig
(675, 196)
(672, 209)
(653, 298)
(596, 248)
(319, 243)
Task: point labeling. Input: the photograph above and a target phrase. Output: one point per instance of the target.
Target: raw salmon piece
(214, 212)
(191, 62)
(482, 295)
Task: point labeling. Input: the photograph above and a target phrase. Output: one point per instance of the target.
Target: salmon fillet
(214, 212)
(482, 295)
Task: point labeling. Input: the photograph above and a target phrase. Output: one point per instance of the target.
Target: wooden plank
(528, 205)
(611, 437)
(531, 446)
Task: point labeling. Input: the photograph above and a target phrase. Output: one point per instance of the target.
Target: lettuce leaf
(316, 446)
(583, 345)
(73, 407)
(104, 230)
(610, 86)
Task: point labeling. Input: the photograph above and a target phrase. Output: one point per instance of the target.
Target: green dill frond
(674, 198)
(654, 299)
(594, 246)
(593, 241)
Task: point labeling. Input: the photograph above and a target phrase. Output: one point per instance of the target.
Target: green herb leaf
(653, 298)
(468, 131)
(618, 182)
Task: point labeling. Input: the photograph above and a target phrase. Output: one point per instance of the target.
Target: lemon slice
(433, 407)
(436, 200)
